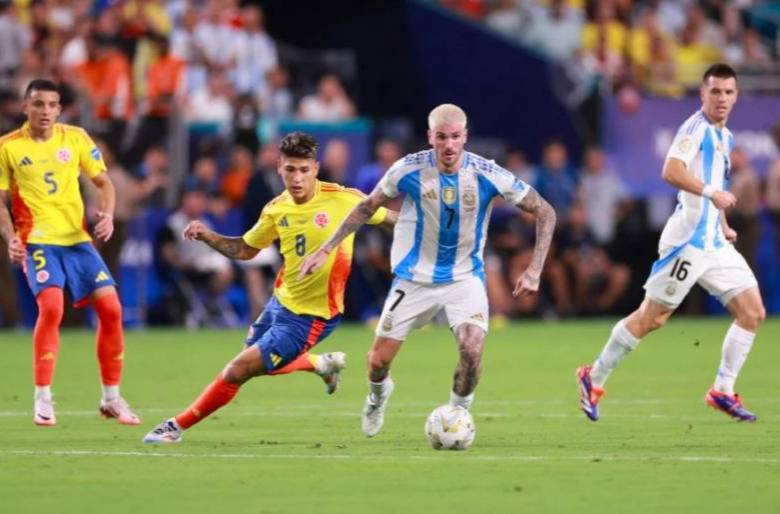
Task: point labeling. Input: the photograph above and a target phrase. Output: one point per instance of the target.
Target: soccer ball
(450, 428)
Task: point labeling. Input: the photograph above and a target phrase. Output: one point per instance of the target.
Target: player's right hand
(16, 250)
(194, 230)
(313, 262)
(723, 199)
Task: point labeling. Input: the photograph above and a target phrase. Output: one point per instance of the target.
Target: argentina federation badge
(670, 289)
(449, 194)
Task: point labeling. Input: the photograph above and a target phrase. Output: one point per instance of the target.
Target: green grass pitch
(283, 446)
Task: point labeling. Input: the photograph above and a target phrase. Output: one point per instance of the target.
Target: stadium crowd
(133, 71)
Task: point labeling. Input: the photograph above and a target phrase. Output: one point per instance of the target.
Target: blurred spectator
(555, 32)
(744, 216)
(470, 8)
(669, 13)
(509, 18)
(753, 53)
(234, 183)
(145, 23)
(602, 193)
(74, 52)
(598, 282)
(276, 100)
(216, 38)
(773, 188)
(387, 152)
(245, 120)
(693, 55)
(605, 30)
(205, 176)
(15, 38)
(212, 103)
(330, 103)
(256, 52)
(187, 47)
(153, 171)
(517, 162)
(9, 310)
(335, 162)
(556, 178)
(201, 274)
(264, 185)
(11, 115)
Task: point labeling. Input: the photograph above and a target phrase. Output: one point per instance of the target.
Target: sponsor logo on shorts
(321, 219)
(387, 323)
(670, 289)
(42, 276)
(478, 317)
(448, 194)
(101, 277)
(63, 155)
(275, 359)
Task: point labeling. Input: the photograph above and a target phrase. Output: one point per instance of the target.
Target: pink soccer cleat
(119, 409)
(44, 413)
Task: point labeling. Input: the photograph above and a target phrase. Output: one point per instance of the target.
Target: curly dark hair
(300, 145)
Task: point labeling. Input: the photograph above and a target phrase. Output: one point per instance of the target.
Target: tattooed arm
(232, 247)
(354, 220)
(533, 203)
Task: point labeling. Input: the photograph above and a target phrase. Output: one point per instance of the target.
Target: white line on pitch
(432, 457)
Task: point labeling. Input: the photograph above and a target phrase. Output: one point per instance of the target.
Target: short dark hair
(41, 85)
(721, 71)
(300, 145)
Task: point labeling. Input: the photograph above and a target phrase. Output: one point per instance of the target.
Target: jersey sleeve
(686, 144)
(90, 158)
(263, 233)
(509, 187)
(388, 184)
(5, 171)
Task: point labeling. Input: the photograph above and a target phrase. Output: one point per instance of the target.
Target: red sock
(46, 336)
(216, 394)
(301, 363)
(110, 339)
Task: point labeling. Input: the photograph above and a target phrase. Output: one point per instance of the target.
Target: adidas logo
(477, 317)
(101, 277)
(26, 161)
(283, 222)
(48, 356)
(275, 359)
(430, 194)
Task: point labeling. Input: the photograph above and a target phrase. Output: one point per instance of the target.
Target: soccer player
(437, 252)
(302, 311)
(40, 165)
(695, 247)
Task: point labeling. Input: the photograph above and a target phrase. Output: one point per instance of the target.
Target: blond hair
(449, 114)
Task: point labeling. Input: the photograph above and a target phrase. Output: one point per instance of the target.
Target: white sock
(461, 401)
(619, 344)
(43, 393)
(377, 391)
(736, 346)
(110, 393)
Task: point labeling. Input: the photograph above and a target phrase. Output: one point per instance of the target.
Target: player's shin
(110, 344)
(736, 346)
(621, 342)
(217, 394)
(46, 339)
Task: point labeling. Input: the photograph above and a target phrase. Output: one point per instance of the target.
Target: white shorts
(410, 305)
(724, 273)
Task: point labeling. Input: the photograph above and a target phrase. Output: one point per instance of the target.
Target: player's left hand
(105, 226)
(731, 234)
(313, 262)
(527, 284)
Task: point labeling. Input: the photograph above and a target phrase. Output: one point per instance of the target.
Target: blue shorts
(79, 266)
(281, 335)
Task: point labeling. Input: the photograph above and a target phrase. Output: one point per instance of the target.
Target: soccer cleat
(44, 413)
(166, 432)
(374, 412)
(730, 404)
(589, 394)
(329, 366)
(119, 409)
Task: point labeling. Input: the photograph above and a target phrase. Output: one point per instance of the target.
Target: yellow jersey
(43, 177)
(301, 229)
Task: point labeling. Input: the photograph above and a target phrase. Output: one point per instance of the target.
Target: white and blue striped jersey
(705, 150)
(440, 234)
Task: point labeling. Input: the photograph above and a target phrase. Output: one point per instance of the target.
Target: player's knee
(236, 372)
(376, 361)
(108, 309)
(752, 318)
(50, 304)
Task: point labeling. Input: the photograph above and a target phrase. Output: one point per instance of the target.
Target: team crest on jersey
(95, 153)
(685, 144)
(469, 198)
(63, 155)
(449, 194)
(321, 219)
(42, 276)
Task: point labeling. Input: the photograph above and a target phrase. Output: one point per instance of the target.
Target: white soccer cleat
(119, 409)
(374, 410)
(329, 366)
(44, 413)
(166, 432)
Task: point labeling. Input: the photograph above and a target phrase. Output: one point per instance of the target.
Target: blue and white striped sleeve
(688, 140)
(388, 184)
(511, 188)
